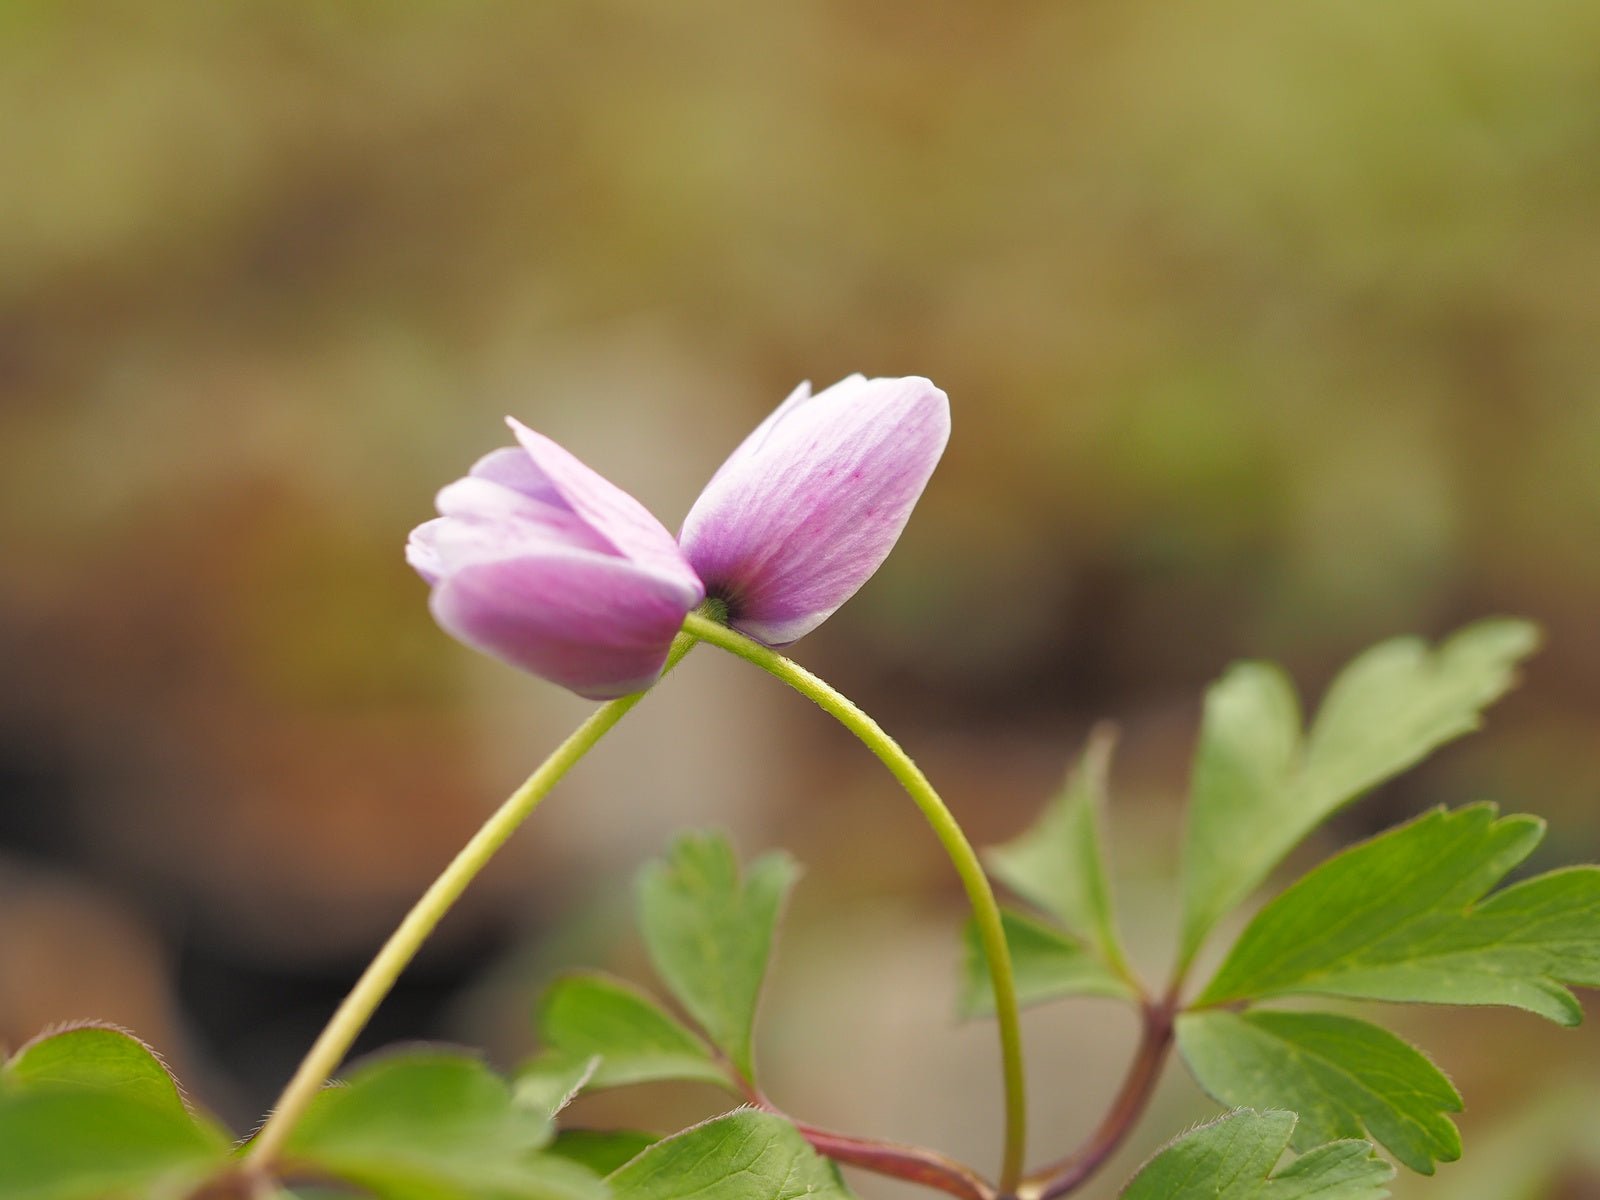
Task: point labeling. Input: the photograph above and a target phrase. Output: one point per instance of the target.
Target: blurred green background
(1270, 330)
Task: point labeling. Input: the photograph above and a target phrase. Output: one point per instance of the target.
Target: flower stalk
(331, 1046)
(980, 895)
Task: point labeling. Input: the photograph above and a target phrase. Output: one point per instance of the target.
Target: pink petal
(511, 467)
(758, 436)
(605, 508)
(804, 512)
(599, 626)
(422, 552)
(512, 519)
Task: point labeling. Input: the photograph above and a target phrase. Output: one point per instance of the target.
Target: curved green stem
(376, 981)
(960, 851)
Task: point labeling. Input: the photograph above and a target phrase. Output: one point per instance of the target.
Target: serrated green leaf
(434, 1126)
(1259, 788)
(1045, 962)
(1232, 1159)
(74, 1143)
(590, 1015)
(1059, 864)
(1400, 918)
(97, 1056)
(1400, 700)
(602, 1150)
(710, 933)
(1337, 1171)
(1344, 1077)
(746, 1155)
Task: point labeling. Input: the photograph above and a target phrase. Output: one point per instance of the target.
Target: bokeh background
(1271, 330)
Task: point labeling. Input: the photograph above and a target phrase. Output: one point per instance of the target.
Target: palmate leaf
(710, 933)
(1400, 918)
(1045, 962)
(1260, 786)
(1059, 864)
(428, 1125)
(745, 1155)
(1344, 1077)
(630, 1037)
(1233, 1157)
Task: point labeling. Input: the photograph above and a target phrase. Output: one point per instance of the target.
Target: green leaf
(1259, 788)
(434, 1126)
(1399, 918)
(710, 934)
(602, 1150)
(1045, 962)
(746, 1155)
(1345, 1078)
(1059, 864)
(97, 1056)
(591, 1015)
(1232, 1159)
(72, 1143)
(551, 1082)
(90, 1111)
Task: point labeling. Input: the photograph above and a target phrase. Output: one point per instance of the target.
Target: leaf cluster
(1410, 916)
(90, 1113)
(1419, 914)
(709, 929)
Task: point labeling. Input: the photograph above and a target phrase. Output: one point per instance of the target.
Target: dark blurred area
(1270, 330)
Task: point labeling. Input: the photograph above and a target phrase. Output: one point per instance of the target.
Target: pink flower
(538, 561)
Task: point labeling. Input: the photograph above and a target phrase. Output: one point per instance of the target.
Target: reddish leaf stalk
(1071, 1172)
(911, 1163)
(893, 1159)
(934, 1170)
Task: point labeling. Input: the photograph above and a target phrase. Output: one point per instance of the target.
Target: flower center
(717, 607)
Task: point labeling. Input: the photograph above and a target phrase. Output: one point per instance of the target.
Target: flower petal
(511, 467)
(599, 626)
(422, 551)
(607, 510)
(513, 519)
(808, 507)
(759, 434)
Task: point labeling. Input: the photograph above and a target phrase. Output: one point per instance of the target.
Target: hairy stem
(328, 1051)
(979, 894)
(1071, 1172)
